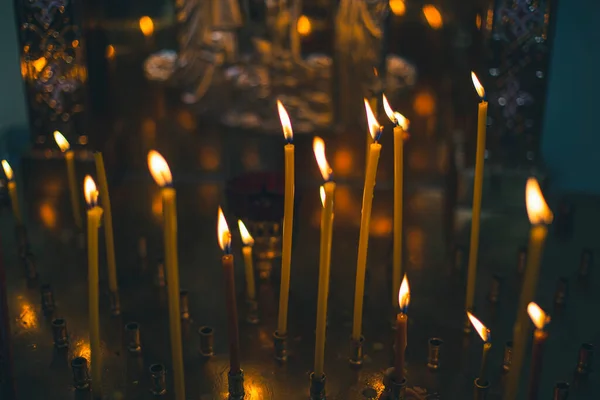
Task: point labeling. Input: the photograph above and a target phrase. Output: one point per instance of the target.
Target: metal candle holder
(480, 389)
(47, 295)
(236, 385)
(433, 359)
(317, 387)
(280, 343)
(561, 391)
(158, 379)
(508, 355)
(395, 390)
(81, 376)
(207, 340)
(132, 330)
(160, 280)
(560, 296)
(115, 303)
(252, 312)
(59, 333)
(356, 351)
(586, 356)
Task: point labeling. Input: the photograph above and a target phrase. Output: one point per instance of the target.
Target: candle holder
(560, 296)
(480, 389)
(585, 263)
(160, 279)
(81, 375)
(561, 391)
(317, 387)
(356, 351)
(158, 379)
(30, 266)
(521, 260)
(433, 359)
(508, 355)
(22, 241)
(280, 342)
(132, 330)
(584, 361)
(207, 340)
(184, 304)
(395, 390)
(115, 303)
(252, 311)
(47, 295)
(235, 382)
(59, 333)
(494, 293)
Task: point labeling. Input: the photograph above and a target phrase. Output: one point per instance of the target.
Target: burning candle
(365, 220)
(162, 176)
(400, 128)
(232, 318)
(248, 241)
(327, 196)
(94, 215)
(540, 319)
(477, 192)
(65, 147)
(12, 192)
(288, 220)
(539, 216)
(401, 325)
(484, 333)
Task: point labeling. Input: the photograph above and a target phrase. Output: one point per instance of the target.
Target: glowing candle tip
(319, 150)
(478, 86)
(159, 169)
(223, 233)
(247, 238)
(286, 124)
(481, 329)
(7, 170)
(539, 318)
(61, 141)
(404, 295)
(537, 208)
(90, 191)
(374, 128)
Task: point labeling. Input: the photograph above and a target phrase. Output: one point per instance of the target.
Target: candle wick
(378, 134)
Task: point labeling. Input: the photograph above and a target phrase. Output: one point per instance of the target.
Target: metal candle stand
(560, 296)
(480, 389)
(561, 391)
(280, 343)
(356, 351)
(508, 354)
(317, 387)
(59, 333)
(158, 379)
(81, 376)
(393, 389)
(433, 359)
(584, 361)
(132, 330)
(207, 340)
(235, 383)
(115, 303)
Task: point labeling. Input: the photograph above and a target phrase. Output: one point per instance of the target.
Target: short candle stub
(521, 260)
(184, 304)
(207, 340)
(59, 333)
(252, 312)
(494, 294)
(280, 343)
(115, 304)
(317, 387)
(356, 351)
(47, 295)
(30, 266)
(235, 383)
(584, 361)
(481, 389)
(561, 391)
(433, 359)
(158, 379)
(508, 355)
(132, 331)
(81, 376)
(560, 296)
(161, 280)
(585, 264)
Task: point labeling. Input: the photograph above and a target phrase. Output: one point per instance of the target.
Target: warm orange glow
(157, 206)
(90, 191)
(39, 64)
(395, 117)
(478, 87)
(210, 159)
(381, 225)
(304, 26)
(323, 196)
(374, 127)
(433, 16)
(253, 391)
(478, 21)
(61, 141)
(319, 150)
(159, 169)
(424, 104)
(48, 215)
(110, 52)
(82, 349)
(537, 209)
(223, 233)
(28, 317)
(537, 315)
(398, 7)
(146, 26)
(285, 122)
(7, 170)
(479, 327)
(404, 294)
(247, 238)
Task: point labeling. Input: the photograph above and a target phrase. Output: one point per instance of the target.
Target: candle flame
(146, 26)
(61, 141)
(7, 170)
(319, 150)
(479, 327)
(223, 233)
(433, 16)
(374, 127)
(286, 124)
(478, 87)
(404, 294)
(304, 26)
(537, 209)
(322, 193)
(247, 238)
(537, 315)
(159, 168)
(90, 191)
(395, 117)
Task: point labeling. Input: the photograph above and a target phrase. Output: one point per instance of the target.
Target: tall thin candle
(365, 221)
(13, 192)
(401, 329)
(65, 147)
(484, 333)
(162, 176)
(540, 320)
(248, 241)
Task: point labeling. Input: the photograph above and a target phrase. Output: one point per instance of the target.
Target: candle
(540, 319)
(365, 220)
(94, 215)
(248, 241)
(288, 221)
(232, 319)
(108, 226)
(162, 176)
(477, 189)
(12, 192)
(539, 216)
(65, 147)
(400, 128)
(401, 325)
(484, 333)
(327, 197)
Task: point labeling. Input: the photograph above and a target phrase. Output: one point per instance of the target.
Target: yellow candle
(477, 192)
(400, 128)
(288, 221)
(248, 241)
(540, 216)
(363, 239)
(484, 333)
(108, 226)
(94, 215)
(540, 319)
(12, 192)
(65, 147)
(324, 255)
(162, 175)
